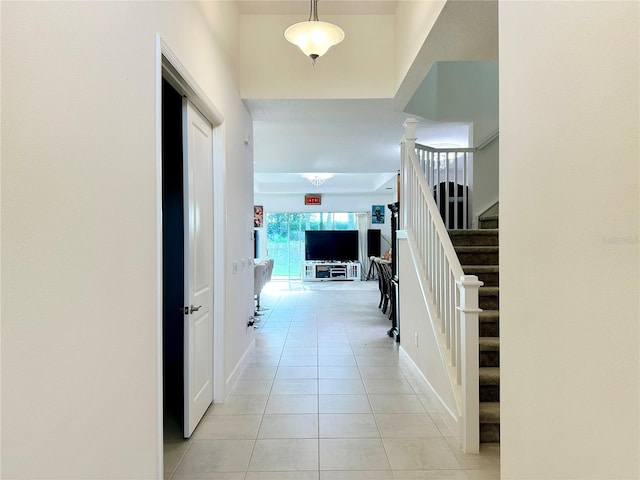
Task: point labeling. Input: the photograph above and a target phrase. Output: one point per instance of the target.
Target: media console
(321, 271)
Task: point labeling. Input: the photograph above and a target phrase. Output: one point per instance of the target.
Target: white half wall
(419, 338)
(569, 239)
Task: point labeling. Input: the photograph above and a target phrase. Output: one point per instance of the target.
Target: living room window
(285, 237)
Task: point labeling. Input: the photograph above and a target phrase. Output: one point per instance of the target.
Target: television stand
(318, 271)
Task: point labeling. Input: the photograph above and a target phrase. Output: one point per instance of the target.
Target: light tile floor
(325, 396)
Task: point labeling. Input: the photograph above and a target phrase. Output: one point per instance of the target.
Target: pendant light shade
(314, 37)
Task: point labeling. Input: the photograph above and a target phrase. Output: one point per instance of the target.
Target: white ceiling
(329, 7)
(356, 139)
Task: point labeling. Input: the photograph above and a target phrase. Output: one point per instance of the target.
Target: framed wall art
(377, 214)
(258, 216)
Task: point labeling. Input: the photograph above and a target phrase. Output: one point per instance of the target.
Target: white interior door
(198, 264)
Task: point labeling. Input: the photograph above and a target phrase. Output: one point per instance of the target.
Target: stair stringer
(428, 354)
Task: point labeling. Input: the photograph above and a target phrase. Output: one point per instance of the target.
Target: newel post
(408, 143)
(469, 319)
(410, 130)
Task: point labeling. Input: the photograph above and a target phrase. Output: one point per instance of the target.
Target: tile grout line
(365, 366)
(264, 412)
(318, 464)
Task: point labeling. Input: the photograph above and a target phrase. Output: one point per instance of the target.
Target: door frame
(169, 67)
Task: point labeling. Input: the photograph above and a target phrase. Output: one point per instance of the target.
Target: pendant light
(314, 37)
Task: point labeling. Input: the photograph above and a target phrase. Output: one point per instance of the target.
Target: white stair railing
(447, 171)
(453, 295)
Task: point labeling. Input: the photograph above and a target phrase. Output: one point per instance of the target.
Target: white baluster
(464, 192)
(455, 193)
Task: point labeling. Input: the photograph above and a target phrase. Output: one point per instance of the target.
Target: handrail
(454, 295)
(488, 140)
(438, 256)
(446, 150)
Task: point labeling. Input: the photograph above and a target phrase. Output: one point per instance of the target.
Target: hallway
(325, 396)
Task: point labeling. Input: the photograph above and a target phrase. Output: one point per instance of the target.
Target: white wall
(460, 91)
(372, 61)
(486, 173)
(359, 67)
(569, 245)
(332, 203)
(223, 20)
(79, 207)
(413, 22)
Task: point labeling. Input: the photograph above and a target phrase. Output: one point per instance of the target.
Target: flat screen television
(330, 245)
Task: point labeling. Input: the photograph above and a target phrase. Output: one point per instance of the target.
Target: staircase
(478, 254)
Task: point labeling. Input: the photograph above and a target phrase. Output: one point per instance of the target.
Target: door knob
(191, 309)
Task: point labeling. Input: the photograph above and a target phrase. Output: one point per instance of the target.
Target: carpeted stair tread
(488, 274)
(489, 298)
(478, 254)
(489, 291)
(476, 248)
(489, 344)
(489, 221)
(489, 316)
(489, 375)
(489, 356)
(474, 231)
(473, 269)
(489, 323)
(474, 237)
(490, 412)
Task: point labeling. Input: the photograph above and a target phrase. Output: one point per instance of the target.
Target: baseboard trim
(235, 374)
(451, 419)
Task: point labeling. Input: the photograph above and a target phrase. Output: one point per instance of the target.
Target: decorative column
(468, 286)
